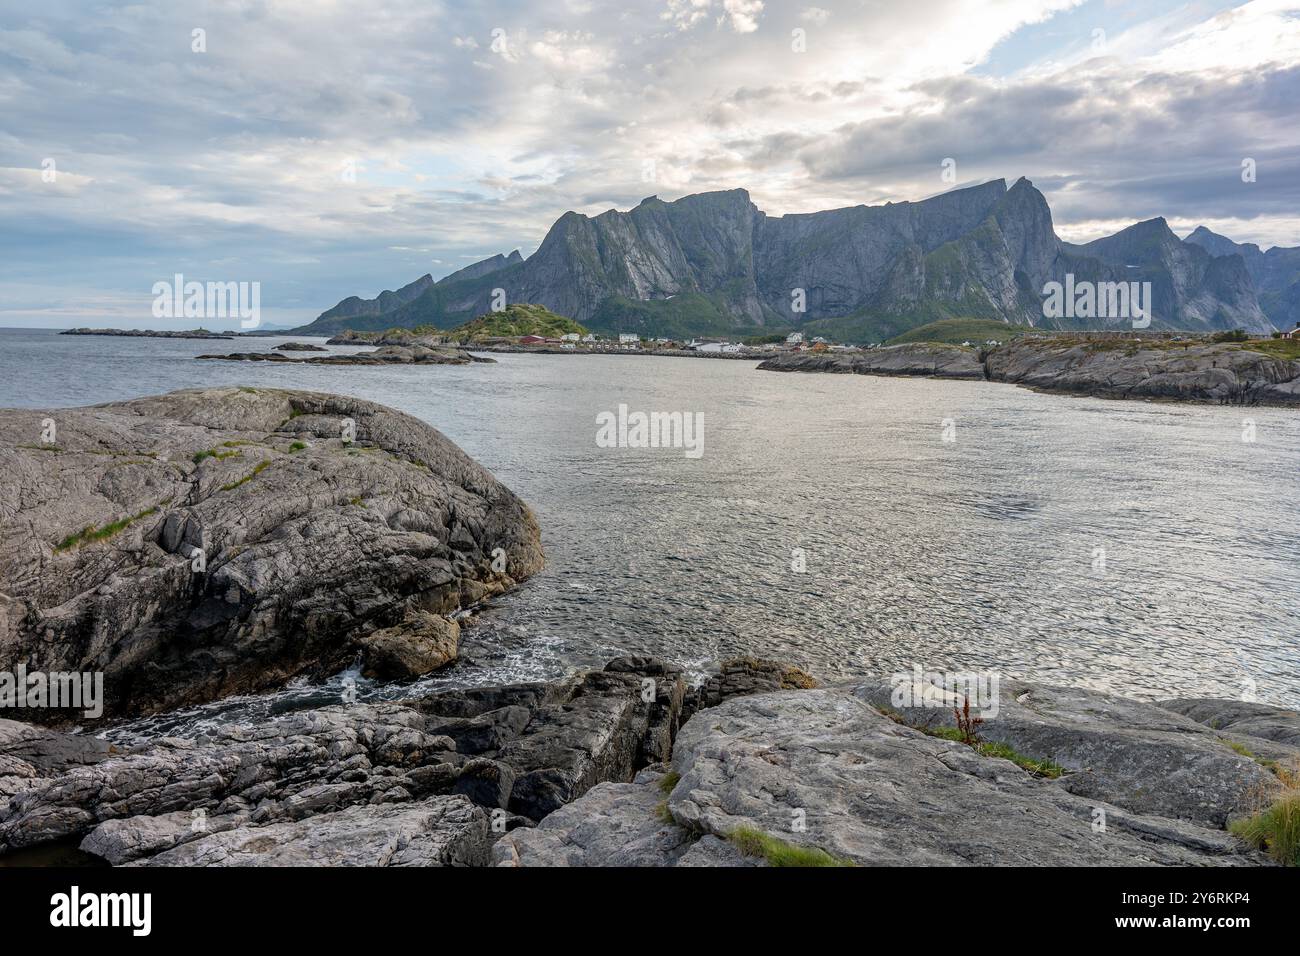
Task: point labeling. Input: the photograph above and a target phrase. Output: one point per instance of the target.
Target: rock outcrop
(1225, 374)
(204, 543)
(925, 359)
(595, 771)
(385, 355)
(826, 776)
(422, 782)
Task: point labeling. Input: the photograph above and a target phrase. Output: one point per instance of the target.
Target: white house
(794, 338)
(589, 337)
(628, 338)
(570, 337)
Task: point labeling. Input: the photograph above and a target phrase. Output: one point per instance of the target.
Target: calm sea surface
(1141, 548)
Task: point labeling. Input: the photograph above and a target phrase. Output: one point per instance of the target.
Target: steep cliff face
(1191, 287)
(1275, 273)
(714, 262)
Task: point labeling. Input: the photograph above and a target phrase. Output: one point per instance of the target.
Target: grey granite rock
(440, 831)
(1228, 374)
(926, 359)
(1134, 755)
(614, 824)
(312, 543)
(825, 769)
(559, 739)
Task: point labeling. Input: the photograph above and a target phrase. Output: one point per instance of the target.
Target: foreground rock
(372, 784)
(1113, 749)
(387, 355)
(827, 775)
(938, 361)
(205, 543)
(1226, 374)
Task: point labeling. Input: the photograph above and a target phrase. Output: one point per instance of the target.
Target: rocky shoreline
(205, 543)
(627, 766)
(1224, 374)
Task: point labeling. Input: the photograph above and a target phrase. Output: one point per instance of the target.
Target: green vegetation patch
(668, 782)
(90, 533)
(213, 453)
(257, 470)
(516, 320)
(957, 331)
(777, 852)
(1286, 349)
(1275, 830)
(297, 446)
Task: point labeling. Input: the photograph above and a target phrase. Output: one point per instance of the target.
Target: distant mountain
(1275, 274)
(713, 263)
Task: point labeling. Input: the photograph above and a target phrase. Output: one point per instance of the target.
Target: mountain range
(713, 263)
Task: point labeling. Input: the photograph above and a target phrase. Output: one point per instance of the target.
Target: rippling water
(981, 553)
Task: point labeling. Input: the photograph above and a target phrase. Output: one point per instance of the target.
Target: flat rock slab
(442, 831)
(614, 824)
(318, 520)
(1139, 756)
(824, 768)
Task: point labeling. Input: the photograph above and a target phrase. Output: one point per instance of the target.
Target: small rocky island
(151, 334)
(386, 355)
(204, 543)
(1266, 373)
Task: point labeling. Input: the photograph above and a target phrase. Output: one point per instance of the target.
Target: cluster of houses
(630, 341)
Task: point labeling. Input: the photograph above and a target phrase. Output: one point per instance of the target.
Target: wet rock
(597, 734)
(742, 676)
(486, 782)
(422, 643)
(314, 547)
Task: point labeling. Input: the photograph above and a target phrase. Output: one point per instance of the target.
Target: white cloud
(181, 160)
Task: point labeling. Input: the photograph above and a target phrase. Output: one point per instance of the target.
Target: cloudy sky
(325, 148)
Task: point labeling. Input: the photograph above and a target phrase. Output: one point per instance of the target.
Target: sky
(324, 148)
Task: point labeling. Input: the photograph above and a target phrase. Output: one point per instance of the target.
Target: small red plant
(966, 724)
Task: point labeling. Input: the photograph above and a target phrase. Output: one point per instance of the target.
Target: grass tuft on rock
(90, 533)
(668, 782)
(1275, 830)
(257, 470)
(213, 453)
(777, 852)
(1039, 768)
